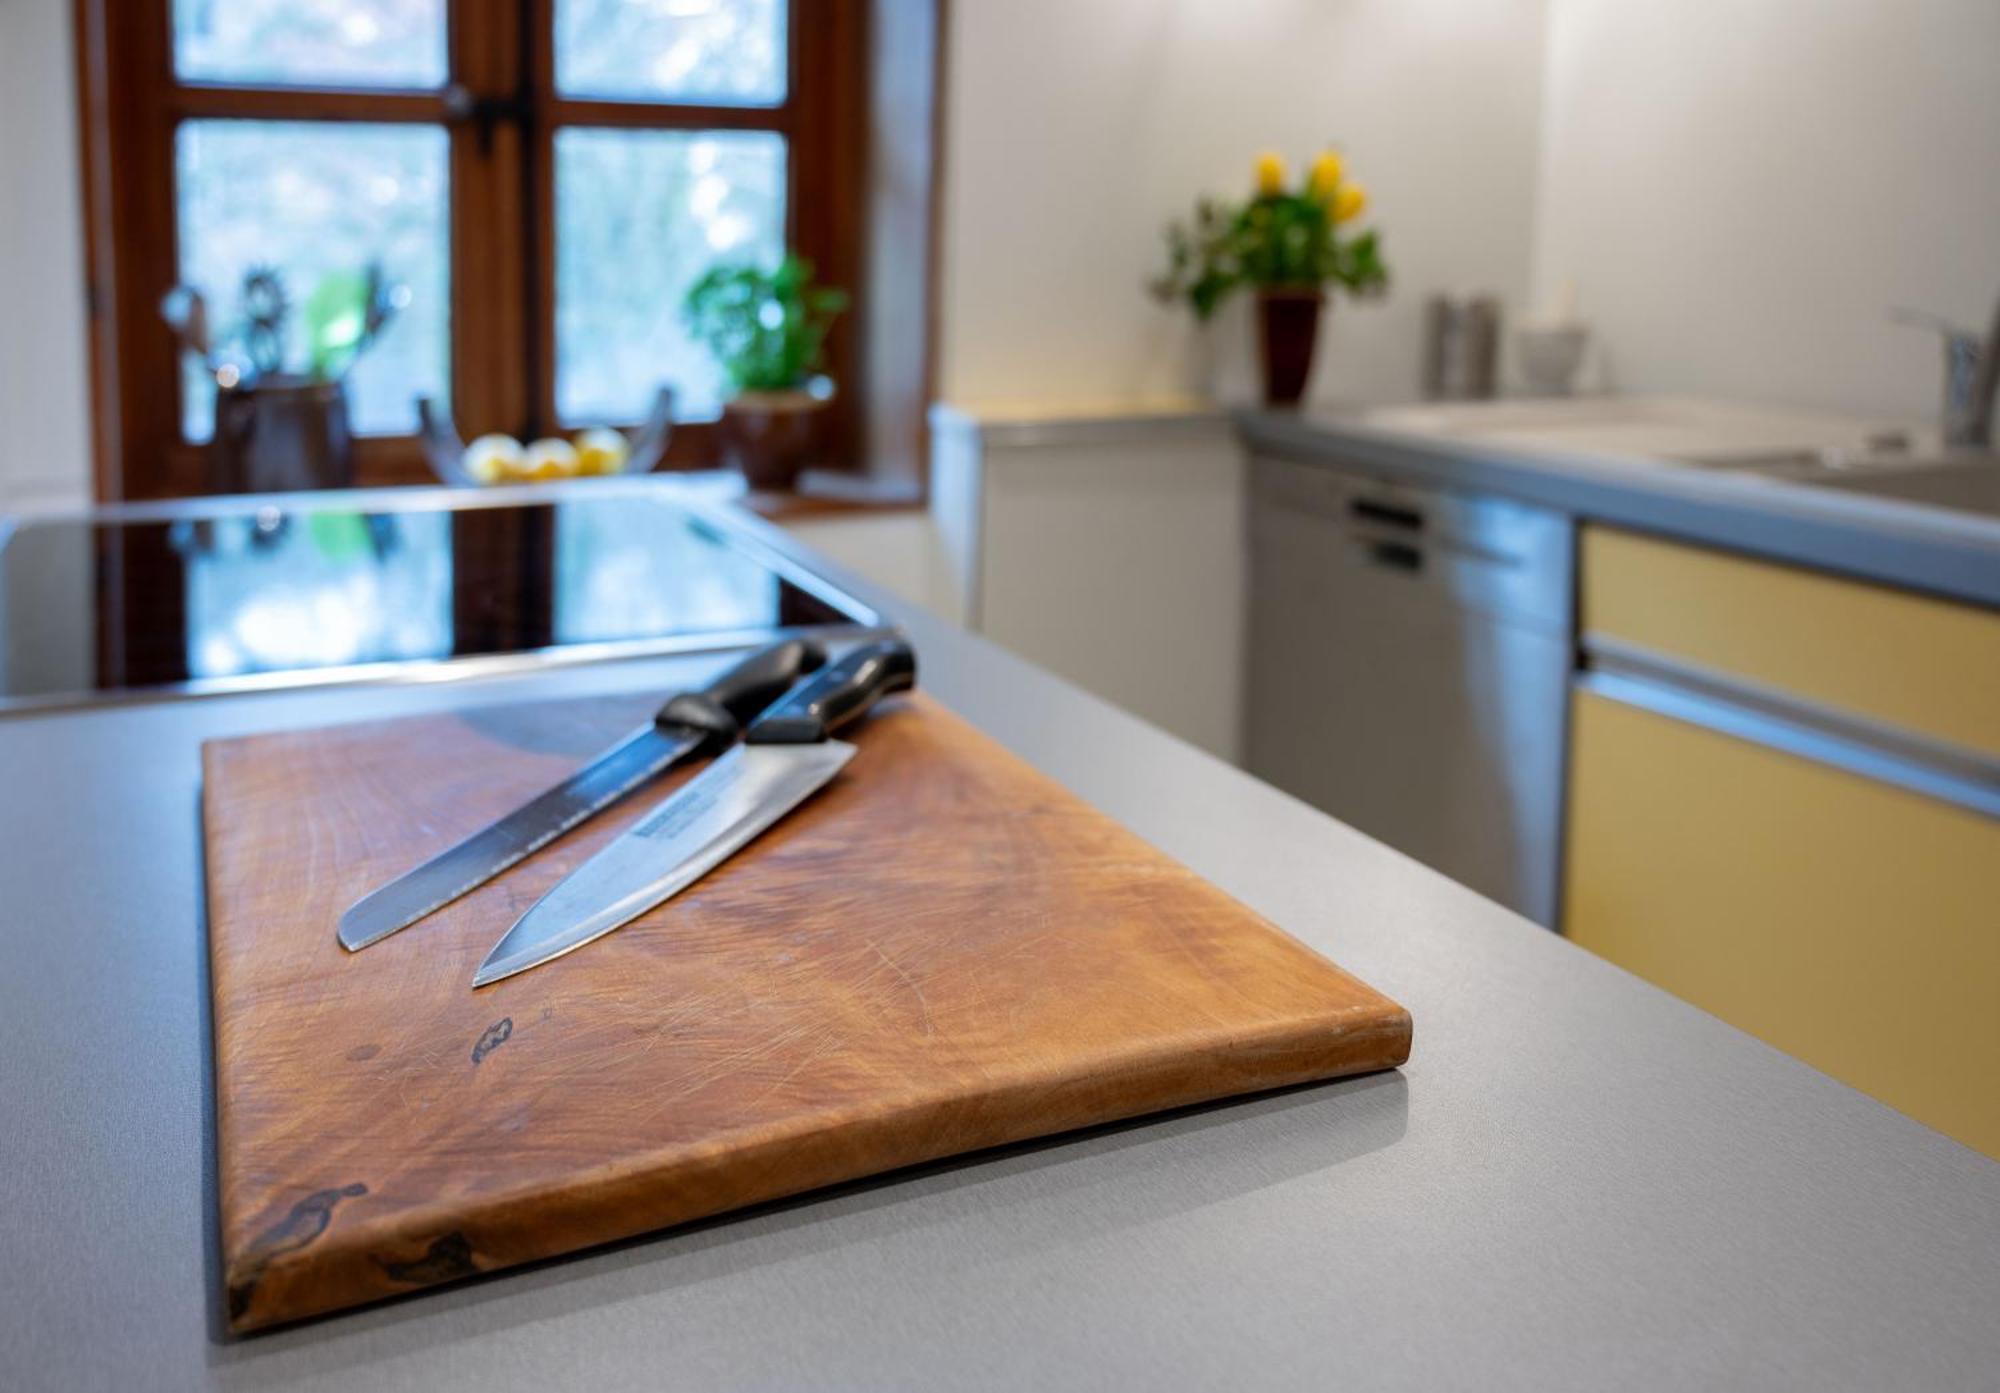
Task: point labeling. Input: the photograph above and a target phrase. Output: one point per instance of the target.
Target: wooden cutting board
(939, 952)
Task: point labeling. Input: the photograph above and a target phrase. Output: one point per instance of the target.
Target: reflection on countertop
(226, 594)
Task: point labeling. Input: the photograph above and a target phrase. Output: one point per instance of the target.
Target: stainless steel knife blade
(667, 850)
(689, 723)
(642, 755)
(787, 754)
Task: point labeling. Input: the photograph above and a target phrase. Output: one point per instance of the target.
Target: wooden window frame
(501, 113)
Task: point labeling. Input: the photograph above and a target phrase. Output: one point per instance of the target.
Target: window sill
(825, 494)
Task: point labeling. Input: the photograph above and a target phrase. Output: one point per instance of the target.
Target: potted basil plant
(767, 328)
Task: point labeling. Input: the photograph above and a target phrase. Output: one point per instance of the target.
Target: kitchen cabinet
(1928, 666)
(896, 549)
(1105, 547)
(1784, 807)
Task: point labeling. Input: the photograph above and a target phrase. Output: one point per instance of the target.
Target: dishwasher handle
(1385, 513)
(1483, 553)
(1391, 555)
(1390, 532)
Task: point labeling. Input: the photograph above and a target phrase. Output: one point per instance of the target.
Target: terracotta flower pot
(771, 436)
(1288, 325)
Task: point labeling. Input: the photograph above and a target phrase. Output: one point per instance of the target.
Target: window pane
(323, 43)
(672, 50)
(308, 198)
(639, 216)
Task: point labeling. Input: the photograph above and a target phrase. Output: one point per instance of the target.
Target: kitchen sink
(1880, 457)
(1884, 453)
(1703, 434)
(1967, 485)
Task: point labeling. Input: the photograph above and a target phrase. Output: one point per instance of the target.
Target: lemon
(601, 451)
(492, 458)
(551, 458)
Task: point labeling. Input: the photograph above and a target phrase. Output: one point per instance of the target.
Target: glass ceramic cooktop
(284, 594)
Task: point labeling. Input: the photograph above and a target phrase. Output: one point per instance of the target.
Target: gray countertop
(1577, 1181)
(1926, 548)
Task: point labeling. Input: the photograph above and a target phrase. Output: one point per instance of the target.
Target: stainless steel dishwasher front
(1409, 657)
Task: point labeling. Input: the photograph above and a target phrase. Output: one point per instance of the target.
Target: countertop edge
(1929, 549)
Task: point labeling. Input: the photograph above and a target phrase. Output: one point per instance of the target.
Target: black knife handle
(729, 702)
(839, 695)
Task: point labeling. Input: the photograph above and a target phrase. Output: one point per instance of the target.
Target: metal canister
(1461, 348)
(280, 434)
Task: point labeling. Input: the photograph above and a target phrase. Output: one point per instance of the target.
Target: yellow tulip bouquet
(1282, 239)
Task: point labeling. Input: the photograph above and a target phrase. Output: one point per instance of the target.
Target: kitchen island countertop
(1577, 1181)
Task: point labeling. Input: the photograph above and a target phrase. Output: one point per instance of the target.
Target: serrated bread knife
(689, 724)
(787, 754)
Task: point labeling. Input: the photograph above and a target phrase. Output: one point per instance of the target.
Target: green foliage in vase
(1282, 238)
(766, 327)
(346, 312)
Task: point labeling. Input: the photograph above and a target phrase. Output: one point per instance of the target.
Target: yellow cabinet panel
(1928, 666)
(1850, 923)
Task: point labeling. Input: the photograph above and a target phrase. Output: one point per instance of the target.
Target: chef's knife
(786, 755)
(690, 723)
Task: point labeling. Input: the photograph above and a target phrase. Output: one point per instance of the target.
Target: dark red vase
(1288, 324)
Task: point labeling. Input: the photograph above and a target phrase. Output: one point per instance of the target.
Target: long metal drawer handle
(1762, 716)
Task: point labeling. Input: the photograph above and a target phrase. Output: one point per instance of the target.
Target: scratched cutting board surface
(941, 951)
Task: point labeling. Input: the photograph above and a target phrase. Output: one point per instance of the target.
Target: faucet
(1971, 376)
(1978, 413)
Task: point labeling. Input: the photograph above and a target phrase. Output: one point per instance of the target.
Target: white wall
(44, 383)
(1076, 128)
(1741, 188)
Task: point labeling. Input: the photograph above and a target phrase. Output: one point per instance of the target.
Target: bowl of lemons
(501, 459)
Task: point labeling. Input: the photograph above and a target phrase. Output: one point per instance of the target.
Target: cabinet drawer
(1927, 666)
(1847, 922)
